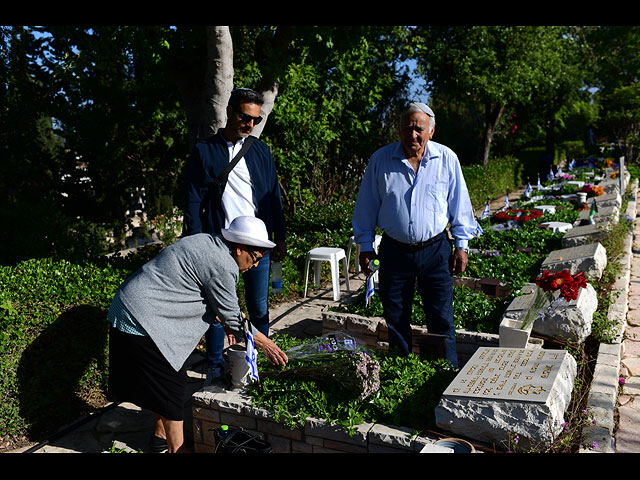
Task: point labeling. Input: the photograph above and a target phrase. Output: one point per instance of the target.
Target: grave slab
(502, 391)
(603, 215)
(580, 235)
(589, 258)
(545, 208)
(568, 320)
(557, 226)
(609, 200)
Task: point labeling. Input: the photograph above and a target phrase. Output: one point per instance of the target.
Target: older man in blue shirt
(413, 190)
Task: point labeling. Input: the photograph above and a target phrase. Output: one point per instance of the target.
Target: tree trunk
(492, 120)
(218, 81)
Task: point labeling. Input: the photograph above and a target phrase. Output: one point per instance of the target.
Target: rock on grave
(590, 259)
(584, 234)
(503, 391)
(609, 200)
(568, 320)
(609, 214)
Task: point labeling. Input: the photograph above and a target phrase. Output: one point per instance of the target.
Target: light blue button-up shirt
(413, 207)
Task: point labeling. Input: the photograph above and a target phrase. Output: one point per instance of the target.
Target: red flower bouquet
(568, 285)
(519, 215)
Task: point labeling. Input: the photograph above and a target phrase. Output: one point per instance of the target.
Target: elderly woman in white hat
(160, 313)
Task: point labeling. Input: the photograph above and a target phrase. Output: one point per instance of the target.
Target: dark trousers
(256, 290)
(400, 267)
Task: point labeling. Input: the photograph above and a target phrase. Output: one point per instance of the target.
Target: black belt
(414, 247)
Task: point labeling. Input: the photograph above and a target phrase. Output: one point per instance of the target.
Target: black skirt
(140, 374)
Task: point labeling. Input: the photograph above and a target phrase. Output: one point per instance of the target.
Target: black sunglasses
(255, 258)
(246, 118)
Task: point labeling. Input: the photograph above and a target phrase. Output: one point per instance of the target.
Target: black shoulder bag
(217, 183)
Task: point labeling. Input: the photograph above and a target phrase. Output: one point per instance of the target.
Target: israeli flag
(550, 176)
(485, 212)
(251, 357)
(528, 190)
(479, 230)
(370, 290)
(539, 184)
(506, 201)
(572, 164)
(559, 172)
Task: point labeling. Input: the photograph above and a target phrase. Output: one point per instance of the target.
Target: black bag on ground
(236, 440)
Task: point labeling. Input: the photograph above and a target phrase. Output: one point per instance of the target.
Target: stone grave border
(214, 406)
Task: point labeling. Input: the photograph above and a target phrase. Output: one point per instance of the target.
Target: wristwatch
(464, 249)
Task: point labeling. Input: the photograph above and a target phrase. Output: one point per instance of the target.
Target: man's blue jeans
(256, 289)
(399, 270)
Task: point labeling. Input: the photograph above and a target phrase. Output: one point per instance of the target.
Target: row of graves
(520, 387)
(509, 383)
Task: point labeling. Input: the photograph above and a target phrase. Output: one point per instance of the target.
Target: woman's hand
(274, 354)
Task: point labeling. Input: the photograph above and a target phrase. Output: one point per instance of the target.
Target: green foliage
(492, 180)
(409, 391)
(52, 342)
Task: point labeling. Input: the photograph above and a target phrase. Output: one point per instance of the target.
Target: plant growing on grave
(409, 390)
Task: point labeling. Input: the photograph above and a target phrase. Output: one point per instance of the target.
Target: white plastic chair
(352, 242)
(333, 256)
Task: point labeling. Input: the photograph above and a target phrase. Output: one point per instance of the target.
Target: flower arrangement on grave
(336, 359)
(548, 283)
(592, 190)
(518, 215)
(569, 285)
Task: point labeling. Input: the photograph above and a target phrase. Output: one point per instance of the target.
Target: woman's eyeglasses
(254, 257)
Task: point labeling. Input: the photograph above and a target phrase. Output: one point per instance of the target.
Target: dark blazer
(203, 211)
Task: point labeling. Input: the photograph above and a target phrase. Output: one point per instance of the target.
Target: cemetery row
(511, 385)
(518, 387)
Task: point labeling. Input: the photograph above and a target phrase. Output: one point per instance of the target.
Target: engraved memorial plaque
(518, 374)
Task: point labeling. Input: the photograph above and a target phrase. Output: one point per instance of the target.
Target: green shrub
(497, 178)
(53, 334)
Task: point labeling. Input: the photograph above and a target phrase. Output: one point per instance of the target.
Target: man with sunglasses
(251, 189)
(413, 190)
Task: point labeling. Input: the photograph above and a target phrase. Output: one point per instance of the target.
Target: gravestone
(609, 200)
(610, 185)
(568, 320)
(502, 391)
(589, 258)
(579, 235)
(545, 208)
(556, 227)
(604, 214)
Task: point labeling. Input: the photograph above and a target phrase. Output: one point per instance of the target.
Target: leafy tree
(491, 69)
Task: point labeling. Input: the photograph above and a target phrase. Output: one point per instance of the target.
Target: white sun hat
(250, 231)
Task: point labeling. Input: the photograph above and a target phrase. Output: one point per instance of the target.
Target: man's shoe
(158, 444)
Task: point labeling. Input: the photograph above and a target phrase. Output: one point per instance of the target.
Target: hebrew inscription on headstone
(518, 374)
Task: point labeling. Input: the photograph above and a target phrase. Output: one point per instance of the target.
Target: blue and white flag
(539, 184)
(528, 190)
(559, 172)
(550, 177)
(485, 212)
(251, 353)
(506, 201)
(572, 164)
(370, 290)
(479, 230)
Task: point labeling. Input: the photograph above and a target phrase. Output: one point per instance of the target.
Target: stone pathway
(627, 437)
